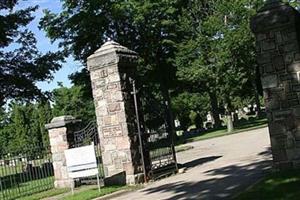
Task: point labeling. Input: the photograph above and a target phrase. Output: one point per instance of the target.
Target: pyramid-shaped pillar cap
(112, 47)
(111, 53)
(61, 121)
(271, 4)
(274, 14)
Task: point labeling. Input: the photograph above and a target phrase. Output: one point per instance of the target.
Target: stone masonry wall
(60, 135)
(111, 68)
(276, 27)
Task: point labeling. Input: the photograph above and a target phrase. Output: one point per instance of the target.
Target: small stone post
(276, 28)
(60, 136)
(112, 67)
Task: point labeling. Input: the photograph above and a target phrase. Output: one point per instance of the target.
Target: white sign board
(81, 162)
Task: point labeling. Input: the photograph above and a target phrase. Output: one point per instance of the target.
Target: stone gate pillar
(276, 27)
(111, 69)
(60, 136)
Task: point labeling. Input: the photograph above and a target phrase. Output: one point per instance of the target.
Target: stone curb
(114, 194)
(118, 193)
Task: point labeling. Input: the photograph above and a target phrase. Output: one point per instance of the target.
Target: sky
(44, 44)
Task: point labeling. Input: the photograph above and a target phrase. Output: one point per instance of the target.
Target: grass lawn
(250, 125)
(45, 194)
(93, 193)
(277, 186)
(28, 188)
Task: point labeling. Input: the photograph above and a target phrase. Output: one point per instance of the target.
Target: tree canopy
(196, 56)
(21, 63)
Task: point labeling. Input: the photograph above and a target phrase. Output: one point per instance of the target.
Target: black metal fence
(26, 173)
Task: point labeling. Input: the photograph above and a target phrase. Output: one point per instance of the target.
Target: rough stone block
(296, 134)
(296, 56)
(279, 155)
(268, 45)
(260, 37)
(112, 131)
(272, 104)
(278, 63)
(268, 68)
(264, 58)
(114, 107)
(123, 142)
(294, 67)
(114, 78)
(281, 115)
(294, 102)
(291, 47)
(269, 81)
(114, 86)
(277, 128)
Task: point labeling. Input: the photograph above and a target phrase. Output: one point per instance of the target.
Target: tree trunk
(215, 109)
(257, 86)
(235, 118)
(230, 127)
(257, 102)
(229, 109)
(167, 102)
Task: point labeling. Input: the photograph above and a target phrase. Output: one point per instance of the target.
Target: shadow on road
(199, 161)
(220, 183)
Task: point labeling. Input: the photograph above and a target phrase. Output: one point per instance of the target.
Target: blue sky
(44, 44)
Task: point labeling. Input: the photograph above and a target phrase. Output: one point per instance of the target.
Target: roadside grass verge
(45, 194)
(93, 193)
(276, 186)
(246, 126)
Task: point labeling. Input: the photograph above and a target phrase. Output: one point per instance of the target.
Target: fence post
(60, 135)
(277, 30)
(111, 69)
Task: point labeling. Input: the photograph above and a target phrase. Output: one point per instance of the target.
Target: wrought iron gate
(87, 136)
(158, 139)
(162, 153)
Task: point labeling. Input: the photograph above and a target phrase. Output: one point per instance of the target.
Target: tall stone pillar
(276, 27)
(111, 69)
(61, 135)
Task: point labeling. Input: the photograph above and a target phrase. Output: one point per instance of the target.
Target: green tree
(21, 64)
(3, 130)
(190, 109)
(19, 127)
(42, 114)
(23, 126)
(196, 70)
(218, 56)
(148, 27)
(72, 101)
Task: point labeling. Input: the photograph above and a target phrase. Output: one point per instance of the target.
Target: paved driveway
(217, 169)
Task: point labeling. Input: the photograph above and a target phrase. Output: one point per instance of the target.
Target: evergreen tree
(3, 131)
(19, 128)
(71, 101)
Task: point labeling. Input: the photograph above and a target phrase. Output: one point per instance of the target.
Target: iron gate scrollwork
(156, 134)
(87, 136)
